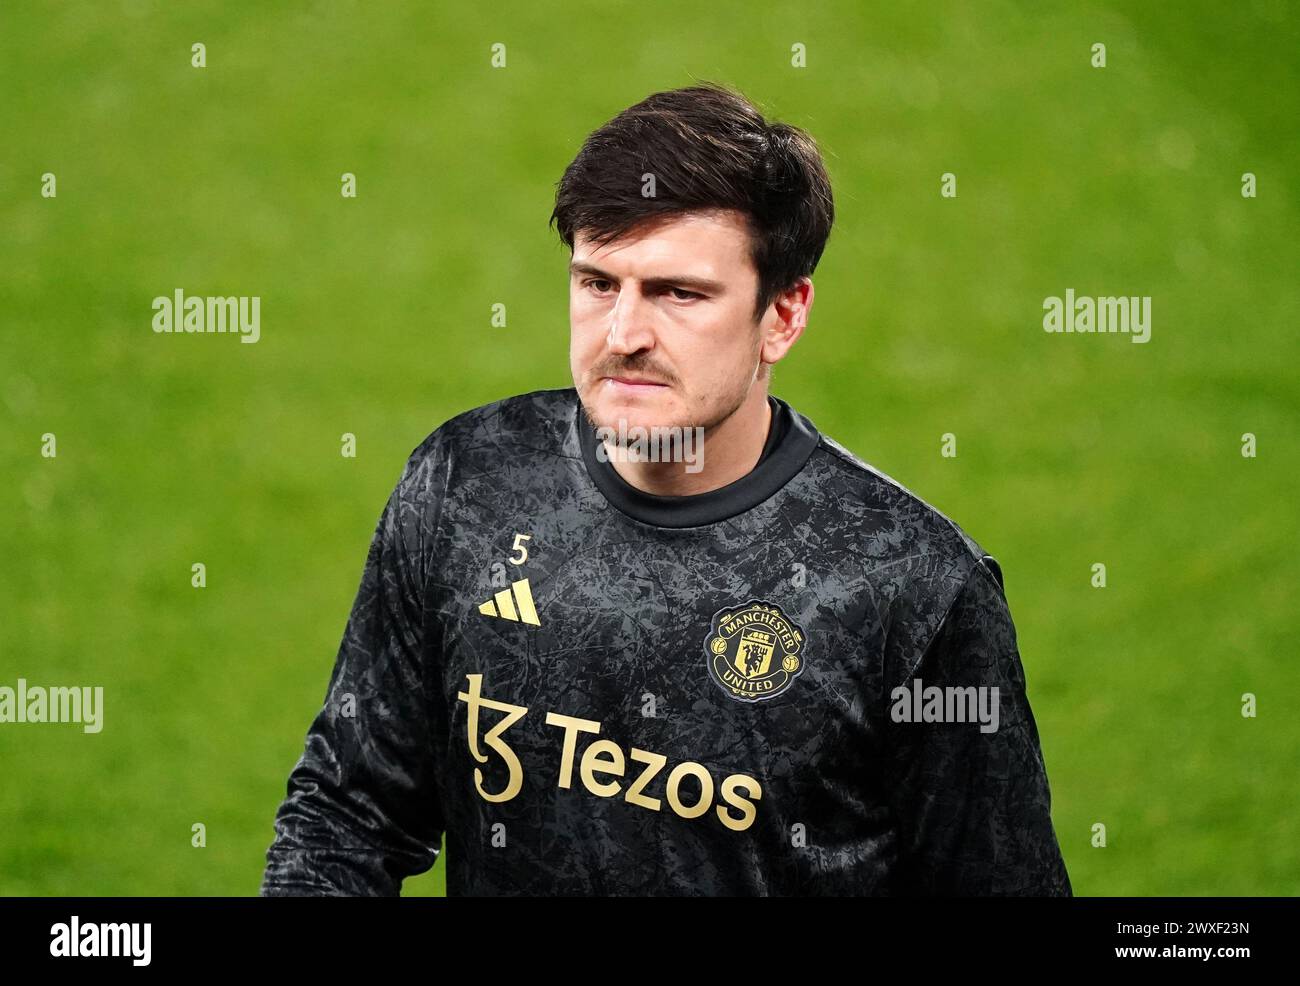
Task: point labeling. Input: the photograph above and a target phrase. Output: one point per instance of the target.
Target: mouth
(635, 384)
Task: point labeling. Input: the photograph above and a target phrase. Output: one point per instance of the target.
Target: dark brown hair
(708, 147)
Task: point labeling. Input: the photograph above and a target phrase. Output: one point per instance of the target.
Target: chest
(681, 670)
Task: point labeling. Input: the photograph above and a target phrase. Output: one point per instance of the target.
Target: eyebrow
(678, 280)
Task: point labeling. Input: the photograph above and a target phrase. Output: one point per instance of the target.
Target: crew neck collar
(790, 442)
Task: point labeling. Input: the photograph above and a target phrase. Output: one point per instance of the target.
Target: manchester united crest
(753, 651)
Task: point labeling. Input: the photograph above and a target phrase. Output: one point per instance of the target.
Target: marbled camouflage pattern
(851, 802)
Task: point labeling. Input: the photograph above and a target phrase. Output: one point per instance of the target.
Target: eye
(595, 280)
(689, 294)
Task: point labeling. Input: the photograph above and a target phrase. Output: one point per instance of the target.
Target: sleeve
(362, 811)
(971, 803)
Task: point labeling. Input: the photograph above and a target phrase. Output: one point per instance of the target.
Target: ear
(785, 320)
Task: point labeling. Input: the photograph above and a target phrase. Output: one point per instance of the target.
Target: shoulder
(470, 450)
(529, 419)
(510, 418)
(481, 441)
(897, 521)
(919, 560)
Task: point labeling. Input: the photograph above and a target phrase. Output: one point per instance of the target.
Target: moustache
(649, 373)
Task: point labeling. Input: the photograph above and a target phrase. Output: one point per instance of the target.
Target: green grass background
(375, 320)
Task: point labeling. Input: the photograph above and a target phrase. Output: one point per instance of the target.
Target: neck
(730, 450)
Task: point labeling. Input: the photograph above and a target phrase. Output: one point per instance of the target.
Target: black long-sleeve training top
(782, 686)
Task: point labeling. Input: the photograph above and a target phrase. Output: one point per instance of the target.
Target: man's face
(661, 320)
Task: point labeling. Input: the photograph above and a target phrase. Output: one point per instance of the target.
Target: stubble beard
(729, 408)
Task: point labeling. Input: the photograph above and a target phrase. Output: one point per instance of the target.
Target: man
(599, 669)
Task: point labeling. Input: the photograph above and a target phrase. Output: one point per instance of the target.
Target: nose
(630, 329)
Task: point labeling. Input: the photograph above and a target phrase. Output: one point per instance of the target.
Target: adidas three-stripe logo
(515, 603)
